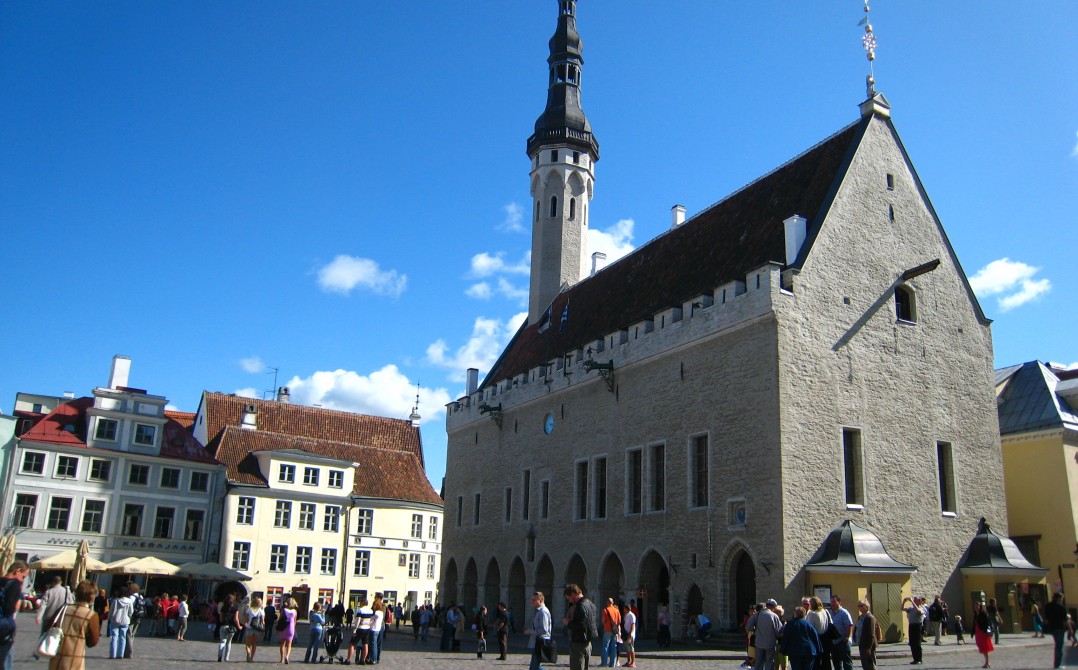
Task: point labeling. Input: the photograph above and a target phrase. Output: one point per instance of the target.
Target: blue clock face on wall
(548, 424)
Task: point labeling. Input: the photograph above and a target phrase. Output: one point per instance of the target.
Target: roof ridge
(240, 430)
(303, 407)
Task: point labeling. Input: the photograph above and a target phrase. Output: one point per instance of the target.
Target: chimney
(473, 380)
(250, 417)
(283, 395)
(598, 262)
(120, 372)
(677, 215)
(796, 227)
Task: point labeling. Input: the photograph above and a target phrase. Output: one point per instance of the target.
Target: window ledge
(905, 322)
(950, 515)
(855, 508)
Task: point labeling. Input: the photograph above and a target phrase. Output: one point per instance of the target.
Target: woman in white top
(378, 623)
(254, 618)
(820, 618)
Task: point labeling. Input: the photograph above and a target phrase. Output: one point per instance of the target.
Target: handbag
(50, 641)
(830, 634)
(548, 650)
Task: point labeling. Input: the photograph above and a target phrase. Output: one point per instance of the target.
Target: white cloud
(171, 408)
(1075, 151)
(489, 337)
(514, 219)
(1011, 281)
(384, 392)
(487, 265)
(345, 273)
(249, 392)
(480, 291)
(512, 291)
(616, 241)
(252, 365)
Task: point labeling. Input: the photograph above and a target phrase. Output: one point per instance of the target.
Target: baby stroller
(332, 639)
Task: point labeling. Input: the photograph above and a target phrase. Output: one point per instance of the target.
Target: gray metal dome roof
(851, 548)
(990, 552)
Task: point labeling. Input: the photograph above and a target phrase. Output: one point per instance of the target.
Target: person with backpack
(254, 621)
(581, 622)
(10, 594)
(138, 612)
(286, 627)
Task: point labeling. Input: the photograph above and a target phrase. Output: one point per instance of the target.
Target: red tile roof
(66, 426)
(721, 244)
(382, 472)
(185, 419)
(316, 423)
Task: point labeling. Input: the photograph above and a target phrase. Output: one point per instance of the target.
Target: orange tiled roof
(185, 419)
(382, 472)
(316, 423)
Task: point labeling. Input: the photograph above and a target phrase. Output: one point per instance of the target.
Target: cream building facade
(324, 505)
(691, 424)
(1038, 423)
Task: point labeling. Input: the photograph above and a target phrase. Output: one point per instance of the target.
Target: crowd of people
(812, 637)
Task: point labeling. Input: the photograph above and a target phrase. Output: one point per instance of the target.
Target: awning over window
(992, 554)
(852, 549)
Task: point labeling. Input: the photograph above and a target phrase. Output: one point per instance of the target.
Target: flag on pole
(544, 320)
(564, 318)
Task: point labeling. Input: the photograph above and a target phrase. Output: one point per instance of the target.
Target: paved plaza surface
(401, 651)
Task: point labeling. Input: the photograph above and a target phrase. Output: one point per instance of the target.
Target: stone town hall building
(790, 392)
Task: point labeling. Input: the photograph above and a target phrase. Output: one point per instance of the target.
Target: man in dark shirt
(503, 631)
(10, 594)
(1055, 616)
(582, 625)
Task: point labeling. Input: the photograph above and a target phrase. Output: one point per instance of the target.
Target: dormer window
(144, 434)
(905, 304)
(310, 476)
(106, 429)
(286, 474)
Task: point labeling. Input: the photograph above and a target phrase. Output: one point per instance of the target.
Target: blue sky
(334, 189)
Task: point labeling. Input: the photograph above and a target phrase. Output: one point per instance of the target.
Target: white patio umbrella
(149, 565)
(65, 560)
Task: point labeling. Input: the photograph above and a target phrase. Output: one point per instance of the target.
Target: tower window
(905, 307)
(553, 206)
(853, 466)
(576, 157)
(945, 469)
(572, 208)
(890, 182)
(554, 156)
(537, 210)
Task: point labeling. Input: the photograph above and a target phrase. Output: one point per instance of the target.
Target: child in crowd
(959, 631)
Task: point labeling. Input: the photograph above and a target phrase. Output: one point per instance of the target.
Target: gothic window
(572, 208)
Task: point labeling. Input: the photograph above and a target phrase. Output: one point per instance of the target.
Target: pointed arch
(576, 184)
(612, 577)
(517, 596)
(544, 579)
(737, 581)
(576, 572)
(450, 579)
(654, 578)
(492, 585)
(469, 586)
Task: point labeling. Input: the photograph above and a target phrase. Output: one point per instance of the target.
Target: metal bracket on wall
(606, 371)
(494, 412)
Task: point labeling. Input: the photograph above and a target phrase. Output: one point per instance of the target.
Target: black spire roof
(851, 548)
(563, 120)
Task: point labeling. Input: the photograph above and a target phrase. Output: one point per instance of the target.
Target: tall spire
(563, 153)
(869, 42)
(563, 121)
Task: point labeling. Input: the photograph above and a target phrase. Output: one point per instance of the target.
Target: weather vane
(868, 40)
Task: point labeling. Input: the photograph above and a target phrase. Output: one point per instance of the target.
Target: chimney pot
(120, 372)
(598, 262)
